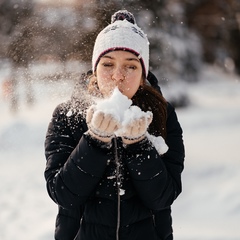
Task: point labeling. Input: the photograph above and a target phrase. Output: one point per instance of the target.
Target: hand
(135, 130)
(101, 125)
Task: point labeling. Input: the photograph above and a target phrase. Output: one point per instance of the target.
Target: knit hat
(122, 34)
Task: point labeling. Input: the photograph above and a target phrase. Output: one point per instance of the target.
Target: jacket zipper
(118, 182)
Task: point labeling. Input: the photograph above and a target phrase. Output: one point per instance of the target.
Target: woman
(110, 180)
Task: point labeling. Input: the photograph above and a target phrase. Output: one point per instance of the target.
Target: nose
(118, 75)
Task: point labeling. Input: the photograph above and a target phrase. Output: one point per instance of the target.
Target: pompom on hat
(122, 34)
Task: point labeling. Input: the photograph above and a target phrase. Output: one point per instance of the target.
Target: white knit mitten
(134, 129)
(101, 125)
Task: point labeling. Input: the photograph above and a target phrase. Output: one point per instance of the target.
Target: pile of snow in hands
(120, 107)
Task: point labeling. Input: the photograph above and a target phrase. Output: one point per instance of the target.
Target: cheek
(131, 87)
(102, 78)
(105, 85)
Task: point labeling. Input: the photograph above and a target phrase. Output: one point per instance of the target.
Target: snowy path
(209, 207)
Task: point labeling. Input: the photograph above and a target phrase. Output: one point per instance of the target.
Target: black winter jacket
(81, 179)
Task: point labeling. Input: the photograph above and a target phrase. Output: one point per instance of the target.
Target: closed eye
(107, 64)
(132, 67)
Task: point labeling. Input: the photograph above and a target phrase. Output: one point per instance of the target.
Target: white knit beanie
(122, 34)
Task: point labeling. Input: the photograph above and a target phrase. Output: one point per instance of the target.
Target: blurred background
(53, 40)
(45, 45)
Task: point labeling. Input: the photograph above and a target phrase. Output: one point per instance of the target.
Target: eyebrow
(128, 59)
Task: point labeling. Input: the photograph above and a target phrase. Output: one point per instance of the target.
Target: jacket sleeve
(73, 168)
(157, 179)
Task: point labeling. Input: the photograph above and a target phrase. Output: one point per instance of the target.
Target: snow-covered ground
(207, 209)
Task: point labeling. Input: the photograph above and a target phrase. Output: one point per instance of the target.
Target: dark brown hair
(149, 99)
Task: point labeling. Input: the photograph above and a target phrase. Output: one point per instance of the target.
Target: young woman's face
(120, 69)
